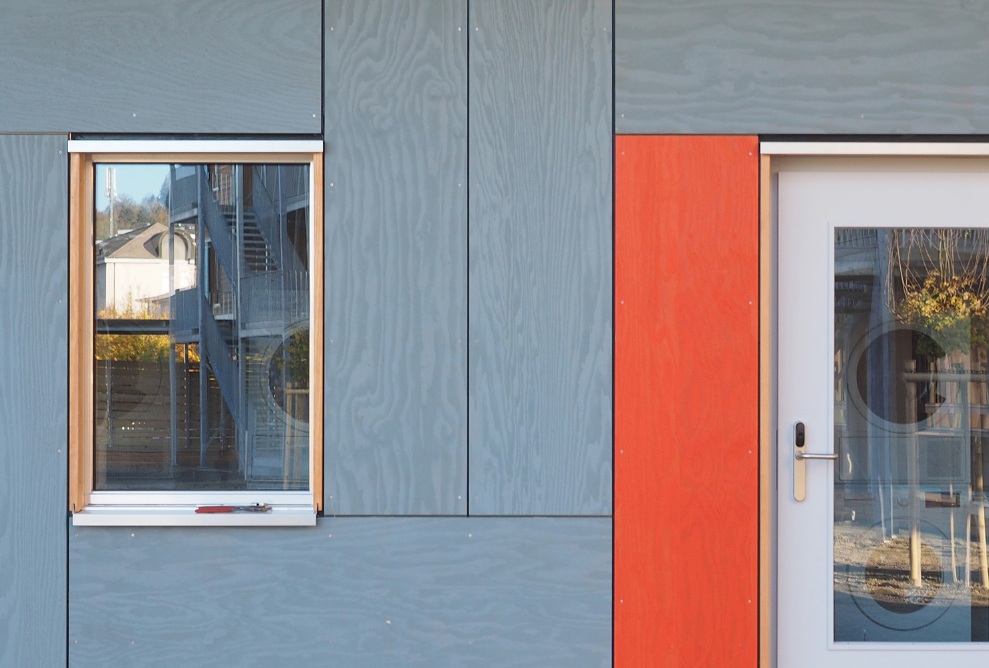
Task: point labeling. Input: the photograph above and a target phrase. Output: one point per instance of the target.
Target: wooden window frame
(178, 507)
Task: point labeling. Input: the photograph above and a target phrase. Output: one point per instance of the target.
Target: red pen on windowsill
(256, 508)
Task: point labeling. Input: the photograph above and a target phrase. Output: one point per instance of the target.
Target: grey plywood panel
(540, 376)
(146, 66)
(396, 230)
(363, 592)
(800, 66)
(33, 395)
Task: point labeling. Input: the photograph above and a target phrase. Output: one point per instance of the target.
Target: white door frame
(772, 155)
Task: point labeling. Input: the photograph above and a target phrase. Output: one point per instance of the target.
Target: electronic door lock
(800, 458)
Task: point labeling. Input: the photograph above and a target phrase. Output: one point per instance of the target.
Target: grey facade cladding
(148, 67)
(396, 305)
(879, 67)
(397, 573)
(366, 592)
(33, 464)
(468, 231)
(540, 258)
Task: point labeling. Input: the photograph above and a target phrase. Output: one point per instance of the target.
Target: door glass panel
(911, 420)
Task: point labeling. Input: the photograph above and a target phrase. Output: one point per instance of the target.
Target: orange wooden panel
(686, 401)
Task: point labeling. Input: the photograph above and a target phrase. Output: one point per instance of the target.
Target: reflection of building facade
(134, 270)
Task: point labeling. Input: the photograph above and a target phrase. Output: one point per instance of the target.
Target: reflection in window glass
(911, 429)
(202, 327)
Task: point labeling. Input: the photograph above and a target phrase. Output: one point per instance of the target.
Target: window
(196, 301)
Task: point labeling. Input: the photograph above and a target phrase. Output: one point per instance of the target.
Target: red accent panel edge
(686, 401)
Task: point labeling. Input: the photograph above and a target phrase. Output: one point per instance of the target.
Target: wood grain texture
(686, 401)
(800, 66)
(143, 66)
(540, 258)
(33, 395)
(396, 235)
(317, 318)
(365, 592)
(767, 416)
(81, 325)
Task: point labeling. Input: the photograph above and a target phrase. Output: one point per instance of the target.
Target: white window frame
(91, 507)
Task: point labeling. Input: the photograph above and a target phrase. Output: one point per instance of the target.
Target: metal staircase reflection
(239, 331)
(215, 349)
(266, 220)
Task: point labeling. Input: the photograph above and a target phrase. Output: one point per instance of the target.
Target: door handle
(800, 457)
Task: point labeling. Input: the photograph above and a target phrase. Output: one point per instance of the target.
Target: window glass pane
(202, 327)
(911, 405)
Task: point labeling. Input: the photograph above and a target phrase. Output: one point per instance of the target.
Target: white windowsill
(186, 516)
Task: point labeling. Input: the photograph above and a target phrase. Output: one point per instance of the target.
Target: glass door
(883, 413)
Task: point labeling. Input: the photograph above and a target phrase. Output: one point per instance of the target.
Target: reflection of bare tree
(916, 254)
(942, 281)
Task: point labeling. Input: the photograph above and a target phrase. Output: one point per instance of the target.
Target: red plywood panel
(686, 401)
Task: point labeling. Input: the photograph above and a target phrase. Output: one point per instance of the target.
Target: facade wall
(781, 68)
(856, 67)
(372, 592)
(33, 470)
(539, 295)
(143, 67)
(396, 237)
(461, 358)
(469, 243)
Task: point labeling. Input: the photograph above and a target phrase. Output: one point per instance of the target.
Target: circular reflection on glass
(887, 576)
(877, 388)
(288, 375)
(876, 575)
